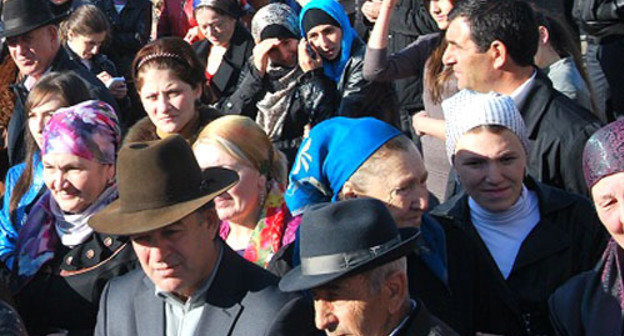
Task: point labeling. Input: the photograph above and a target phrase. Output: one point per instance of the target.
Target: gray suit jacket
(243, 300)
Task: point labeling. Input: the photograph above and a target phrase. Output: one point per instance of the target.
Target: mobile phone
(310, 51)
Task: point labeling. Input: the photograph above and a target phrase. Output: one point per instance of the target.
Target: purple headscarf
(89, 130)
(604, 153)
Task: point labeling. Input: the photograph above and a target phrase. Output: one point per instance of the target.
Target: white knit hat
(469, 109)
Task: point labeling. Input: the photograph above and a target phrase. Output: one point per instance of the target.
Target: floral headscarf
(89, 130)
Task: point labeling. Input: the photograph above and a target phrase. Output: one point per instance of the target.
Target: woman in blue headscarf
(345, 158)
(333, 45)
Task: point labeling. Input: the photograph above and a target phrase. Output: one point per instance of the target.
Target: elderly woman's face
(241, 203)
(491, 167)
(168, 101)
(217, 28)
(75, 182)
(608, 196)
(402, 187)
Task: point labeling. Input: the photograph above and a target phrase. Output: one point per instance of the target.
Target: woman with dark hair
(333, 51)
(559, 56)
(591, 303)
(422, 58)
(226, 48)
(83, 34)
(24, 182)
(169, 79)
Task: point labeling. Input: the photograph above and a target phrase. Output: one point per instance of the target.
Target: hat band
(342, 261)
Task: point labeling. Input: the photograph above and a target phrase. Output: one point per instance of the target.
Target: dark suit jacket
(422, 323)
(243, 300)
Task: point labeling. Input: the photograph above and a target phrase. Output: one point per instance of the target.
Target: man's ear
(348, 191)
(498, 54)
(544, 35)
(53, 30)
(396, 291)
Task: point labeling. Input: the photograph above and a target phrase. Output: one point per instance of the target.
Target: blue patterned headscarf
(328, 157)
(334, 68)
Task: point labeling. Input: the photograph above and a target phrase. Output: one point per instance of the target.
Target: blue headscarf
(334, 9)
(328, 157)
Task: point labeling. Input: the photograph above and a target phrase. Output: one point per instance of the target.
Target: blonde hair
(244, 140)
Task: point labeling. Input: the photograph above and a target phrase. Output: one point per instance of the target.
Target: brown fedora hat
(159, 183)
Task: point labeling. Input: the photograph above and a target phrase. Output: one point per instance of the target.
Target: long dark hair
(70, 90)
(566, 44)
(436, 74)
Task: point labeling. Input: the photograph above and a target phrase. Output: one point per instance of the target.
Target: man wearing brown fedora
(32, 37)
(191, 283)
(353, 261)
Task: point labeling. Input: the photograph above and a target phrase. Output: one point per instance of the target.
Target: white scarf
(73, 229)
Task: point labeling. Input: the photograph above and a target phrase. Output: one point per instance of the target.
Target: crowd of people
(310, 167)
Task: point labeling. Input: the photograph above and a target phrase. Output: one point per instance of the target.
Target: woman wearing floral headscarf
(61, 264)
(592, 303)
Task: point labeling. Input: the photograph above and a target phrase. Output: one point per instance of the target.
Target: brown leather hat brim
(112, 220)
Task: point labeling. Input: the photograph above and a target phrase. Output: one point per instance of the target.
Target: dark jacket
(100, 63)
(130, 31)
(450, 298)
(65, 293)
(422, 323)
(145, 130)
(225, 80)
(242, 300)
(558, 129)
(600, 18)
(409, 20)
(589, 303)
(17, 125)
(309, 104)
(568, 239)
(359, 97)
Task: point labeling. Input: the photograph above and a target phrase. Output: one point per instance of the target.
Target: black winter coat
(569, 239)
(312, 101)
(130, 31)
(225, 80)
(362, 98)
(558, 129)
(17, 125)
(65, 293)
(408, 21)
(585, 306)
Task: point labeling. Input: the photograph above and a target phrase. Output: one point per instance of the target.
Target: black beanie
(315, 17)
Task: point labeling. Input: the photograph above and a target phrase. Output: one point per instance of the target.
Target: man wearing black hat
(191, 283)
(32, 37)
(353, 261)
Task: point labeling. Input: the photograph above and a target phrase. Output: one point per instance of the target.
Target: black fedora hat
(159, 183)
(344, 238)
(21, 16)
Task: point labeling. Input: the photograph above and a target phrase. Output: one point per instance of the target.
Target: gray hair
(378, 275)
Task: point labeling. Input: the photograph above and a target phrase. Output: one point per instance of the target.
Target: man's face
(472, 68)
(33, 52)
(285, 53)
(348, 306)
(179, 257)
(326, 39)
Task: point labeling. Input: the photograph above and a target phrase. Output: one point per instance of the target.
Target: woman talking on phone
(334, 47)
